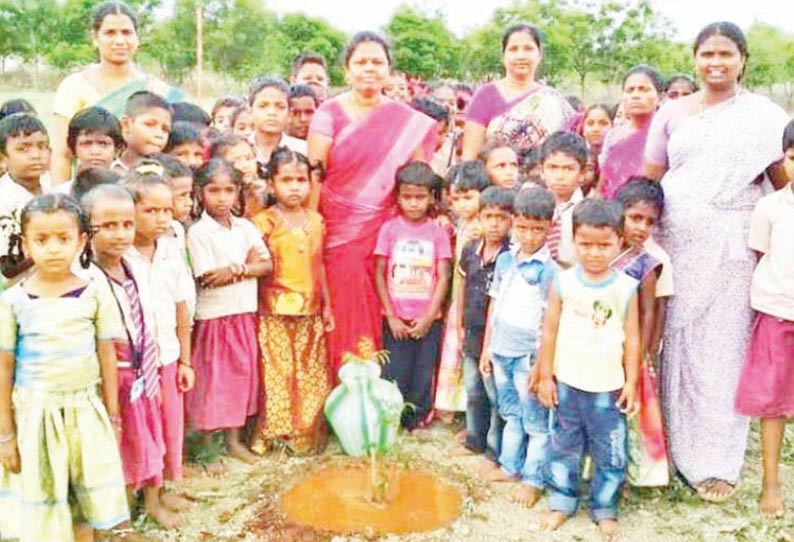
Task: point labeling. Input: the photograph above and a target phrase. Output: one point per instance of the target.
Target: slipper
(705, 490)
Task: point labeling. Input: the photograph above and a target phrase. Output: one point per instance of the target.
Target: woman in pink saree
(361, 137)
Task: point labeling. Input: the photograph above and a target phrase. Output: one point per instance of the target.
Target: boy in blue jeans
(518, 298)
(588, 369)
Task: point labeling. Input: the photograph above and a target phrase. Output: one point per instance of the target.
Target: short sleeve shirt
(13, 197)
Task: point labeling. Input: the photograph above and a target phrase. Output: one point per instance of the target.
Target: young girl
(240, 154)
(596, 124)
(296, 312)
(643, 203)
(243, 122)
(501, 164)
(222, 112)
(470, 179)
(228, 255)
(766, 387)
(269, 99)
(58, 436)
(111, 212)
(412, 257)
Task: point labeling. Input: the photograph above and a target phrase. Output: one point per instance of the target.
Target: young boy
(442, 155)
(476, 269)
(164, 269)
(145, 127)
(180, 178)
(518, 298)
(311, 69)
(563, 163)
(302, 105)
(412, 257)
(184, 144)
(25, 149)
(588, 369)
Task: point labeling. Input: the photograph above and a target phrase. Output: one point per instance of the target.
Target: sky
(688, 16)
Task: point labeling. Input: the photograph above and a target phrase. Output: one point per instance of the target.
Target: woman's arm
(61, 160)
(473, 140)
(318, 148)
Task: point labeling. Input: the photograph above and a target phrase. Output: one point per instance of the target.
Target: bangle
(4, 439)
(244, 272)
(184, 364)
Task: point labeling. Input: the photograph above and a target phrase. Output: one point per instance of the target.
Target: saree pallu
(296, 382)
(714, 158)
(116, 101)
(357, 198)
(528, 120)
(621, 157)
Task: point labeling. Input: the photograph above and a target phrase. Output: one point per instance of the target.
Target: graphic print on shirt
(411, 269)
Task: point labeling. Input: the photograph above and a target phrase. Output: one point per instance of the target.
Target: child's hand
(628, 402)
(185, 378)
(399, 329)
(9, 456)
(218, 277)
(485, 364)
(547, 393)
(328, 319)
(421, 326)
(534, 379)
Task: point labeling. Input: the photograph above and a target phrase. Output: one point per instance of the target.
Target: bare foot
(552, 520)
(715, 490)
(498, 475)
(608, 529)
(486, 466)
(525, 495)
(772, 506)
(175, 502)
(163, 517)
(240, 451)
(459, 450)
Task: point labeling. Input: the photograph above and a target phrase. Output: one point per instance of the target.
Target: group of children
(180, 275)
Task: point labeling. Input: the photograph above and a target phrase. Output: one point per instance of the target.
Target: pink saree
(357, 198)
(621, 157)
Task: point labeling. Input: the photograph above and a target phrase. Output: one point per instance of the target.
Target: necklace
(299, 229)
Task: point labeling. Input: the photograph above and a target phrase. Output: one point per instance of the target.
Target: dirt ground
(243, 505)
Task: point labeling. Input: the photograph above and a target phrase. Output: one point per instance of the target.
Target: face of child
(446, 97)
(182, 188)
(590, 172)
(222, 121)
(788, 164)
(219, 196)
(146, 134)
(190, 154)
(502, 167)
(52, 241)
(113, 227)
(640, 97)
(242, 157)
(414, 201)
(530, 233)
(562, 174)
(301, 111)
(596, 248)
(639, 220)
(93, 149)
(270, 111)
(496, 223)
(396, 88)
(244, 125)
(315, 76)
(153, 213)
(596, 125)
(291, 185)
(678, 89)
(466, 203)
(27, 156)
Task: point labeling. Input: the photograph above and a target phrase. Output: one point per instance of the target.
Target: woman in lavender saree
(717, 151)
(361, 137)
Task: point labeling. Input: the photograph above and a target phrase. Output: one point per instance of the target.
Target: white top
(212, 246)
(292, 143)
(13, 197)
(167, 275)
(772, 233)
(664, 282)
(64, 188)
(566, 251)
(589, 351)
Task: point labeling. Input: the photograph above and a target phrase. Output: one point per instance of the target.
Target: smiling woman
(107, 84)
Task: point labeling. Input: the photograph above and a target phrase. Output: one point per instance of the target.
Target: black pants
(412, 365)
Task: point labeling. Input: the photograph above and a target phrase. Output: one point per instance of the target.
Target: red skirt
(226, 360)
(142, 446)
(766, 388)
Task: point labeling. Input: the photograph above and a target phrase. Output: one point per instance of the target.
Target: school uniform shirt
(772, 233)
(412, 251)
(519, 292)
(13, 197)
(212, 246)
(664, 282)
(166, 275)
(478, 275)
(560, 238)
(292, 143)
(588, 355)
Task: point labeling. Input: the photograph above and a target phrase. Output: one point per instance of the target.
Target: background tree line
(586, 42)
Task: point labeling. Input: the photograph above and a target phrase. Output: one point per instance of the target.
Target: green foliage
(422, 45)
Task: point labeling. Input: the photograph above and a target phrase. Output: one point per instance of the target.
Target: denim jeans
(591, 421)
(525, 438)
(483, 424)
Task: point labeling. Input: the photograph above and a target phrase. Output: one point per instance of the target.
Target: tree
(31, 22)
(422, 45)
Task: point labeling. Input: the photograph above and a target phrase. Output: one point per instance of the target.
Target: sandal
(705, 490)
